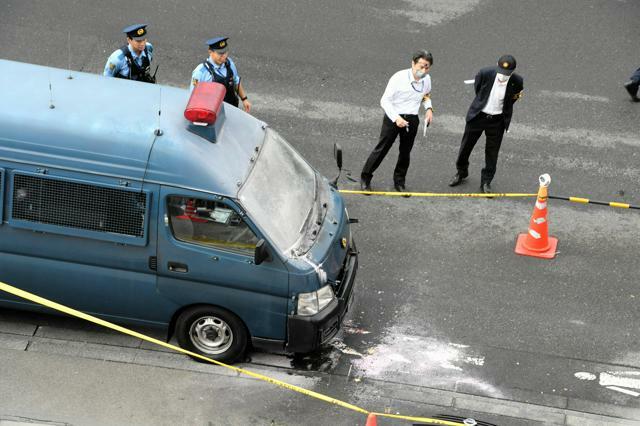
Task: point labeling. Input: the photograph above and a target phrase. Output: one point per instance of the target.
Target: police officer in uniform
(133, 60)
(219, 68)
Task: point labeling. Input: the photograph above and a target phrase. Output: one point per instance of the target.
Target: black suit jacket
(484, 83)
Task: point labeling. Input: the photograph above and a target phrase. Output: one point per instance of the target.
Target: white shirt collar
(133, 53)
(215, 66)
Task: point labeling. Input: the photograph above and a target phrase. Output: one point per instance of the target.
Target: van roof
(107, 126)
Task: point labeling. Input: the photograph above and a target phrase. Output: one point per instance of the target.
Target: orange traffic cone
(371, 420)
(537, 242)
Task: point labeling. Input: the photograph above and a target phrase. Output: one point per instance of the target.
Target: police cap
(506, 64)
(219, 44)
(136, 31)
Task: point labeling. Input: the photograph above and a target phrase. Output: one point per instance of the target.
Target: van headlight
(314, 302)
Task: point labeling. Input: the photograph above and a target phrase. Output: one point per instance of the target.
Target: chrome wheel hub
(211, 335)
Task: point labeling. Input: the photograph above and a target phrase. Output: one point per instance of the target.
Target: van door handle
(178, 267)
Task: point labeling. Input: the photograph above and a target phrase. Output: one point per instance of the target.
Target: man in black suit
(497, 89)
(632, 85)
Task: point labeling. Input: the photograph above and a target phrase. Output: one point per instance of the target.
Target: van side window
(210, 223)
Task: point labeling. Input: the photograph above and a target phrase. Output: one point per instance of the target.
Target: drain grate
(464, 420)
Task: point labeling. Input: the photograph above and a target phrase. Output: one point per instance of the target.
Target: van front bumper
(308, 333)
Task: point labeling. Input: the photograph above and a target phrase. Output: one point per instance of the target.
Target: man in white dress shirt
(401, 100)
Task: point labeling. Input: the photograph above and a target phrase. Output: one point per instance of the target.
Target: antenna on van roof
(70, 77)
(51, 105)
(158, 131)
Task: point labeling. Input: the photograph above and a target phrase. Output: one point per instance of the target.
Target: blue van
(120, 200)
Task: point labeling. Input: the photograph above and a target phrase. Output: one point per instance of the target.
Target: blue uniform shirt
(201, 73)
(117, 62)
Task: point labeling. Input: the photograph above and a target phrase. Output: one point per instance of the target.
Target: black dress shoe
(485, 188)
(401, 188)
(632, 89)
(365, 186)
(457, 180)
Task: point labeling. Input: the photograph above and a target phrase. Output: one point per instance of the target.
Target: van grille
(78, 205)
(339, 284)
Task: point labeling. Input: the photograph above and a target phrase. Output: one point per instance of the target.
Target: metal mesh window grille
(78, 205)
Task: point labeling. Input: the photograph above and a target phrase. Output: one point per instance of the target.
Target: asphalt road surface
(444, 307)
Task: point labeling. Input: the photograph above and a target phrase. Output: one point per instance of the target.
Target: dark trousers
(635, 77)
(231, 98)
(635, 82)
(493, 128)
(388, 135)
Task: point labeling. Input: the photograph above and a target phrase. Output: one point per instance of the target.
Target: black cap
(136, 31)
(218, 43)
(506, 64)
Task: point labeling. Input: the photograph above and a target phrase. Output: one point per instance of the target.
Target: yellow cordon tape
(600, 203)
(619, 205)
(579, 200)
(435, 194)
(492, 195)
(69, 311)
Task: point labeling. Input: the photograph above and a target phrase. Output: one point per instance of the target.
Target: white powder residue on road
(574, 96)
(434, 12)
(430, 360)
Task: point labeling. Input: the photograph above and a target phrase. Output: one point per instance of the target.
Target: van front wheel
(212, 332)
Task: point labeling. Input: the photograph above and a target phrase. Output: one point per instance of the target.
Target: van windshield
(280, 193)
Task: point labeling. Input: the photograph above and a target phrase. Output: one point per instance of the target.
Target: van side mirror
(261, 253)
(337, 154)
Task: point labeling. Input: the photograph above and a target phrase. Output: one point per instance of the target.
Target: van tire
(212, 332)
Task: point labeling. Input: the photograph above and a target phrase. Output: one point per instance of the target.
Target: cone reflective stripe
(536, 242)
(371, 420)
(189, 209)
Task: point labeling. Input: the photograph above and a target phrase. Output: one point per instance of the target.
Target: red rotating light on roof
(205, 103)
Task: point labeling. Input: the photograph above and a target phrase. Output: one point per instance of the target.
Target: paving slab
(28, 422)
(584, 419)
(82, 349)
(13, 341)
(89, 334)
(17, 327)
(177, 361)
(597, 407)
(504, 408)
